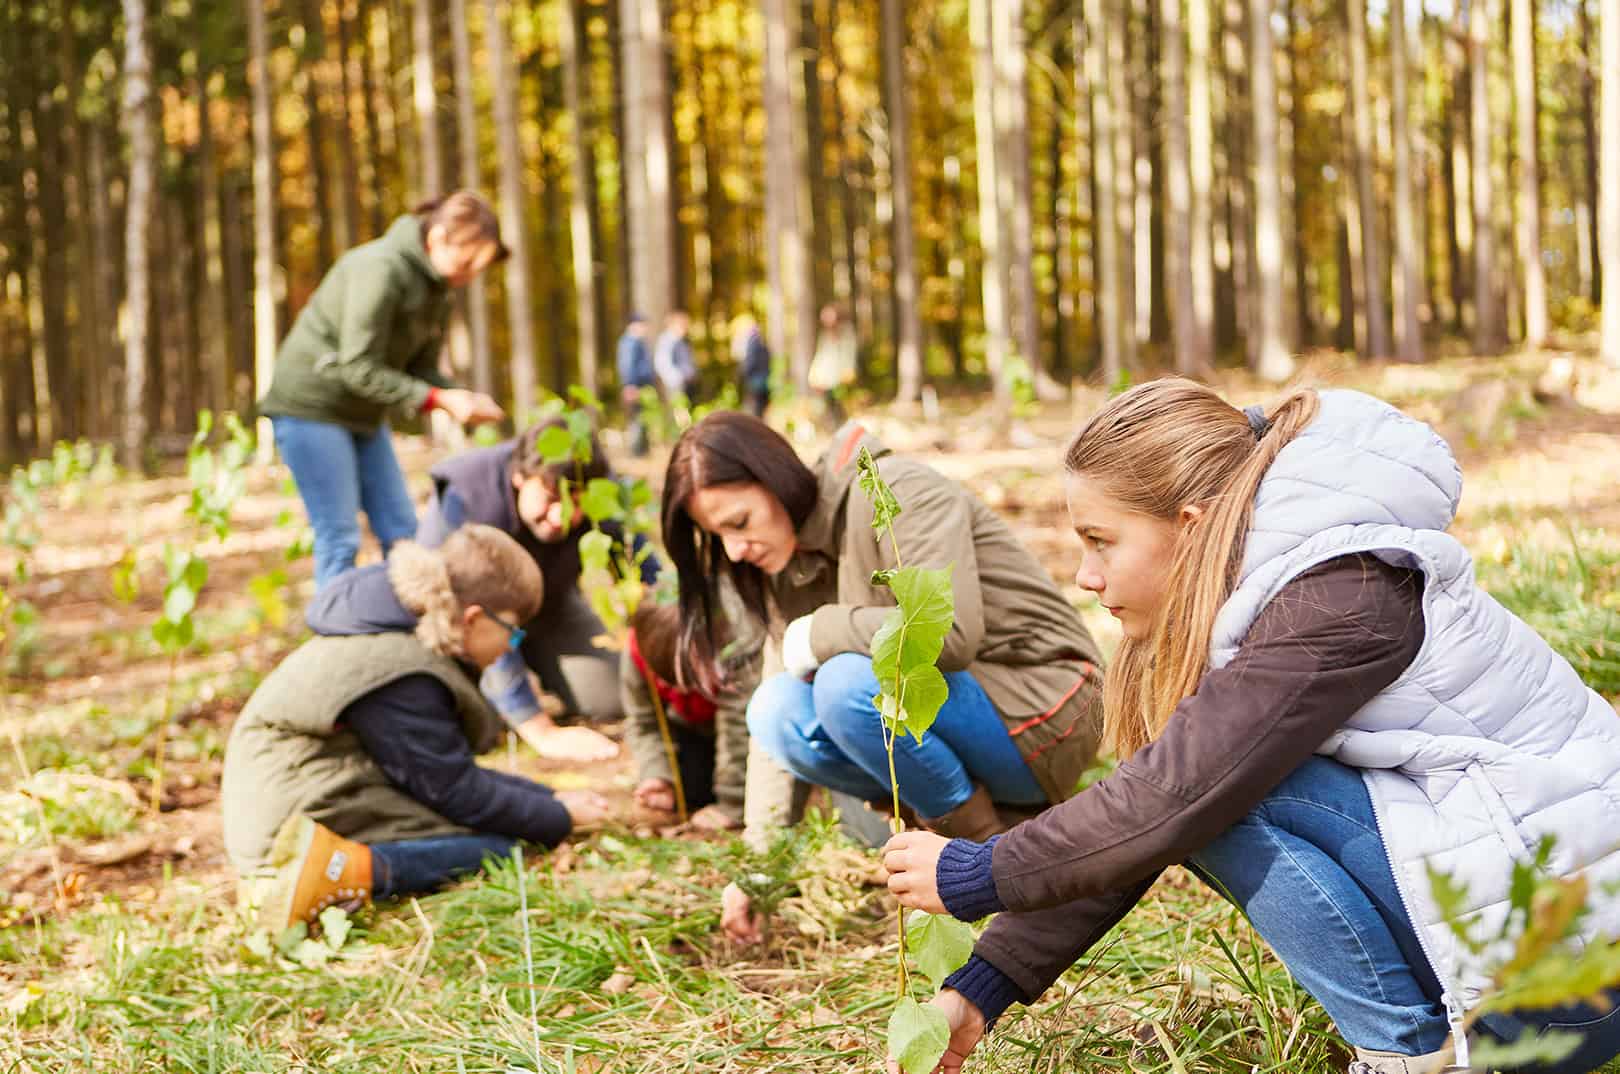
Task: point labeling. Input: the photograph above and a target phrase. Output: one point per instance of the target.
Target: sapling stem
(669, 743)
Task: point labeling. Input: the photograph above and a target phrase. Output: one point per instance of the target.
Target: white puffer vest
(1489, 740)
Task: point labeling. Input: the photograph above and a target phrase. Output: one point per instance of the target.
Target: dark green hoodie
(369, 338)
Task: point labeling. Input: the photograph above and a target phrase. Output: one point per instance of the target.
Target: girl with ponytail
(1314, 705)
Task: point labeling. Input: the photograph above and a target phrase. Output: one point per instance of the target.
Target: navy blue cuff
(987, 988)
(966, 885)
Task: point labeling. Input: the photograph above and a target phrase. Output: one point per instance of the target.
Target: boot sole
(287, 854)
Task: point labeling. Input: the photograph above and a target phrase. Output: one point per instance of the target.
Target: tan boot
(974, 819)
(1371, 1062)
(315, 868)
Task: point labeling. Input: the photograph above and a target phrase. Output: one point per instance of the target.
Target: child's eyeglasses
(514, 633)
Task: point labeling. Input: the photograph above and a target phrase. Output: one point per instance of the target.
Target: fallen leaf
(619, 983)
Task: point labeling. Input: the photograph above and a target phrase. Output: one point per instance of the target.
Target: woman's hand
(912, 859)
(586, 809)
(967, 1028)
(468, 408)
(656, 794)
(580, 745)
(737, 916)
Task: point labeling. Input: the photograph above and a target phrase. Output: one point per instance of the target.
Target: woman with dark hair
(1023, 717)
(368, 342)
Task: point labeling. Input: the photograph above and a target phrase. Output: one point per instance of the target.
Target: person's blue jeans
(412, 866)
(1308, 868)
(339, 472)
(829, 733)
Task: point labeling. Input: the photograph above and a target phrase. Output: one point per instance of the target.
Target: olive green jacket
(368, 339)
(287, 754)
(1014, 631)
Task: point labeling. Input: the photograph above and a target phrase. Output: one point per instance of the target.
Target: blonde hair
(477, 564)
(1155, 449)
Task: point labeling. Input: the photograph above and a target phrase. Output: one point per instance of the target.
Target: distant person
(635, 373)
(673, 361)
(350, 774)
(368, 342)
(832, 369)
(753, 360)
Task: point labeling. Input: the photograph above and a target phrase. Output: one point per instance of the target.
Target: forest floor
(120, 946)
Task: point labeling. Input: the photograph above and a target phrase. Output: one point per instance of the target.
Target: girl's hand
(737, 916)
(586, 809)
(912, 858)
(656, 794)
(967, 1028)
(468, 408)
(576, 744)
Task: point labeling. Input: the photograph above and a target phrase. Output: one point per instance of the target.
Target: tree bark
(1105, 218)
(349, 224)
(1272, 360)
(1609, 194)
(514, 229)
(266, 331)
(788, 269)
(996, 248)
(1014, 184)
(215, 354)
(1487, 311)
(1115, 72)
(430, 179)
(377, 209)
(1529, 186)
(646, 159)
(104, 278)
(1200, 171)
(1406, 282)
(581, 222)
(137, 94)
(1366, 201)
(316, 137)
(48, 121)
(475, 302)
(908, 314)
(1589, 142)
(1177, 187)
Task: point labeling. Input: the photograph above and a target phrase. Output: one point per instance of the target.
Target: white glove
(797, 655)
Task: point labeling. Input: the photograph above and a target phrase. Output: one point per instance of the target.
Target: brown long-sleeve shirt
(1329, 642)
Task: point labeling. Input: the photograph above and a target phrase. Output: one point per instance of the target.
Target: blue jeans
(1308, 868)
(339, 472)
(411, 866)
(829, 733)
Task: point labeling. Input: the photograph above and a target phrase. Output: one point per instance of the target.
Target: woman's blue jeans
(413, 866)
(1308, 868)
(339, 472)
(829, 733)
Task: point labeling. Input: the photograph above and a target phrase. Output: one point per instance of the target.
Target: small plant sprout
(905, 657)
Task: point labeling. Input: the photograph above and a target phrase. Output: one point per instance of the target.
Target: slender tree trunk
(1305, 320)
(316, 136)
(238, 292)
(1119, 29)
(430, 180)
(1178, 196)
(1609, 194)
(476, 301)
(788, 270)
(646, 158)
(377, 209)
(266, 330)
(215, 354)
(1013, 175)
(87, 358)
(1141, 49)
(104, 277)
(1272, 360)
(1105, 218)
(1487, 314)
(1529, 186)
(1239, 178)
(908, 321)
(48, 121)
(997, 251)
(514, 229)
(1589, 140)
(1201, 171)
(1366, 201)
(137, 116)
(1408, 339)
(348, 162)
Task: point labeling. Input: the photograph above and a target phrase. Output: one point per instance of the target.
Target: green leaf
(554, 445)
(919, 1033)
(883, 577)
(579, 429)
(913, 701)
(583, 398)
(915, 632)
(1451, 899)
(565, 497)
(1532, 1049)
(335, 926)
(257, 944)
(195, 576)
(595, 550)
(942, 944)
(178, 600)
(289, 938)
(126, 581)
(311, 954)
(601, 501)
(885, 508)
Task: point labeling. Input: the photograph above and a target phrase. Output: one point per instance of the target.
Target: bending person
(1315, 704)
(1023, 717)
(350, 774)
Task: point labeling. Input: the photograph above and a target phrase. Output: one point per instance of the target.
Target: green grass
(1570, 595)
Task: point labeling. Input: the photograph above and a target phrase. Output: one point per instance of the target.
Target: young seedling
(911, 689)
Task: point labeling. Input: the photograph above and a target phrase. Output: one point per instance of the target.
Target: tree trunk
(377, 210)
(1177, 236)
(48, 121)
(475, 303)
(788, 268)
(513, 197)
(349, 232)
(1272, 360)
(430, 178)
(1487, 311)
(646, 160)
(1609, 194)
(104, 278)
(1408, 338)
(908, 314)
(1454, 161)
(1141, 50)
(1105, 217)
(996, 249)
(266, 331)
(1118, 15)
(1366, 201)
(138, 210)
(1013, 175)
(1589, 142)
(215, 354)
(581, 222)
(1238, 122)
(1200, 171)
(1529, 192)
(316, 137)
